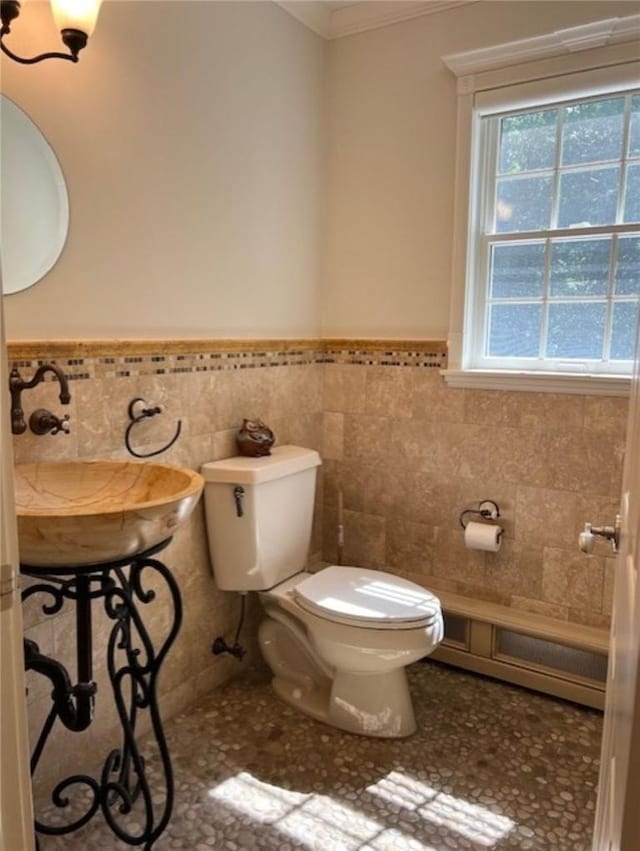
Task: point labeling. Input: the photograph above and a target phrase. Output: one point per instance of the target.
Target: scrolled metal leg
(123, 789)
(124, 775)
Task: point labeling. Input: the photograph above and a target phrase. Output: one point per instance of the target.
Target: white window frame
(481, 237)
(493, 80)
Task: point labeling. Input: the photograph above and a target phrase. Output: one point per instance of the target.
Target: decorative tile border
(423, 353)
(134, 358)
(86, 359)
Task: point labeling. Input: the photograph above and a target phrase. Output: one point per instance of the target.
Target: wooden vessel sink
(74, 513)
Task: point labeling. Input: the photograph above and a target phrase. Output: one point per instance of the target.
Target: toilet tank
(259, 513)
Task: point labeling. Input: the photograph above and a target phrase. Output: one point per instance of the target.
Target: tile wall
(407, 452)
(210, 393)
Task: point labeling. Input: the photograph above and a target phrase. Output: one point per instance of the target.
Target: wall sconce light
(74, 18)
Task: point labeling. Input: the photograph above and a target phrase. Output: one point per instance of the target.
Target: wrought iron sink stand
(133, 665)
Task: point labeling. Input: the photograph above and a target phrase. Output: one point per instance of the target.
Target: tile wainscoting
(408, 453)
(209, 388)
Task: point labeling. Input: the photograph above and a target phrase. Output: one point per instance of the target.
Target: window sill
(538, 382)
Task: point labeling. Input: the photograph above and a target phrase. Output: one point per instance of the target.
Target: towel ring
(139, 410)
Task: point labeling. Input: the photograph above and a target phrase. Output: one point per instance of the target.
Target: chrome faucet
(17, 384)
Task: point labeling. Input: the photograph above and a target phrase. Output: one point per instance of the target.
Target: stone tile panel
(571, 576)
(545, 517)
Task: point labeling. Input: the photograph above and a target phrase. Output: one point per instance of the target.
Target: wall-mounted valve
(42, 421)
(587, 538)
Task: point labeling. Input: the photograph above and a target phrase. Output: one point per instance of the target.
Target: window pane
(576, 330)
(580, 267)
(592, 132)
(564, 236)
(517, 271)
(632, 195)
(628, 266)
(514, 330)
(634, 135)
(588, 197)
(523, 204)
(623, 331)
(528, 141)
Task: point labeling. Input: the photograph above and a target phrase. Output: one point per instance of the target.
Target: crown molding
(362, 16)
(571, 40)
(312, 13)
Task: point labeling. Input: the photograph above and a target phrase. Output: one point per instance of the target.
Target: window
(554, 257)
(545, 261)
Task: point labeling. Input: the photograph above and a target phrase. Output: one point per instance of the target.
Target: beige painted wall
(391, 107)
(190, 135)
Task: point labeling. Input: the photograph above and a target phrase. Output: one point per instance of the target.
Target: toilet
(337, 640)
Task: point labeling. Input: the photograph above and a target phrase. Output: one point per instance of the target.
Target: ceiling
(335, 4)
(336, 18)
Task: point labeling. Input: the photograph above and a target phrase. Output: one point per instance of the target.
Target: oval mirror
(34, 204)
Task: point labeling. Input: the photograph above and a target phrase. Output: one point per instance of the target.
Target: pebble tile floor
(491, 766)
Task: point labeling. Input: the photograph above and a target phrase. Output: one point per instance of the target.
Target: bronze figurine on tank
(255, 439)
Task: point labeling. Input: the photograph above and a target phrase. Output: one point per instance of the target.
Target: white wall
(391, 107)
(190, 134)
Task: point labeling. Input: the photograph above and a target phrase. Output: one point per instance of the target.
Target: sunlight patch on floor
(317, 820)
(469, 820)
(320, 821)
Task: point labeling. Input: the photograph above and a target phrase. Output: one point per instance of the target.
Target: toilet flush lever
(587, 538)
(238, 495)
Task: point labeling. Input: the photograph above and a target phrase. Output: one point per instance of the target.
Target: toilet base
(372, 704)
(376, 705)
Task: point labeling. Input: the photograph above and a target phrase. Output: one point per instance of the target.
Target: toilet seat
(367, 598)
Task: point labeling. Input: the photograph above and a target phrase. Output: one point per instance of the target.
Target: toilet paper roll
(483, 536)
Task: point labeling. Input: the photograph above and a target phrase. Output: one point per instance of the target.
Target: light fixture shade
(76, 14)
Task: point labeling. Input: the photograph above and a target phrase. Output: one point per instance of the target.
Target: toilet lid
(367, 598)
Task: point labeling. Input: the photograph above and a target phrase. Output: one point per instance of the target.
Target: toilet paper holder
(487, 508)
